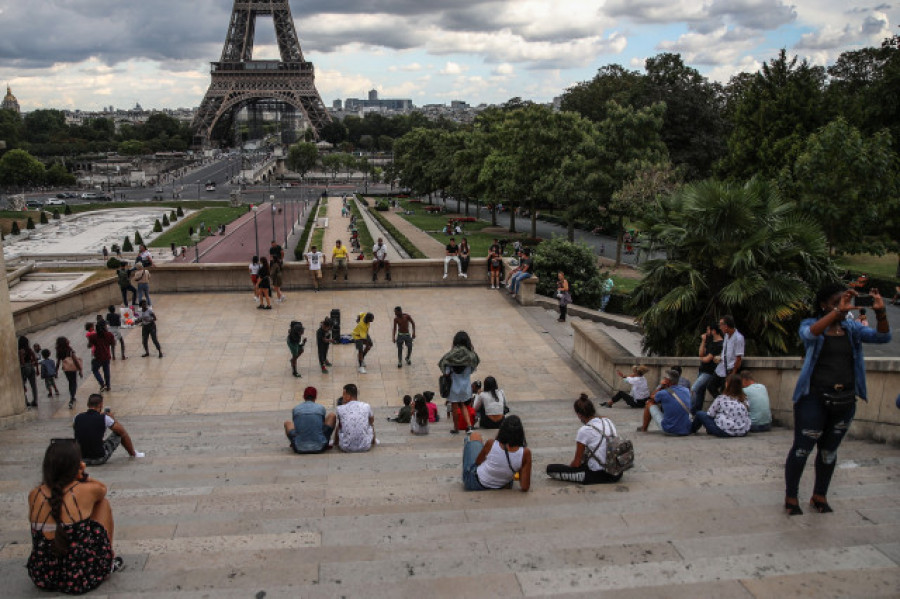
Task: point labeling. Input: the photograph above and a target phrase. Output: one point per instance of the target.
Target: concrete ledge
(614, 320)
(527, 291)
(175, 278)
(877, 419)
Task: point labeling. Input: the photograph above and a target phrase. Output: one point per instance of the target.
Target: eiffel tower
(240, 82)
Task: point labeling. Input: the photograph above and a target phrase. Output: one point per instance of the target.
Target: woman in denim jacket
(833, 365)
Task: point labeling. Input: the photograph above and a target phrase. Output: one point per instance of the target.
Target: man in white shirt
(315, 258)
(732, 350)
(355, 430)
(379, 260)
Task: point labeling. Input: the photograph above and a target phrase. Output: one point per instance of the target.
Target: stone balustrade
(878, 418)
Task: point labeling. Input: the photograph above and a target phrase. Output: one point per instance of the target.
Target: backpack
(295, 332)
(619, 453)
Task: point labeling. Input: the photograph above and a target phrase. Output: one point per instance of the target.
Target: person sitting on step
(587, 467)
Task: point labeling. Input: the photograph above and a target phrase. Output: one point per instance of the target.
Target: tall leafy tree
(20, 169)
(845, 182)
(302, 157)
(778, 109)
(611, 83)
(735, 249)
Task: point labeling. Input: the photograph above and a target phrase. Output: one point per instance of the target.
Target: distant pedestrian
(276, 274)
(101, 341)
(105, 253)
(264, 285)
(70, 364)
(147, 319)
(324, 339)
(563, 295)
(401, 334)
(254, 276)
(114, 320)
(361, 338)
(123, 278)
(48, 373)
(141, 277)
(459, 364)
(28, 365)
(315, 259)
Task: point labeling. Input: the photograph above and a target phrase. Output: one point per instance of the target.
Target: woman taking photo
(587, 467)
(459, 363)
(728, 416)
(496, 464)
(832, 377)
(71, 525)
(491, 404)
(563, 295)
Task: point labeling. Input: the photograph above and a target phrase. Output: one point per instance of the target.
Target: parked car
(55, 202)
(35, 204)
(89, 195)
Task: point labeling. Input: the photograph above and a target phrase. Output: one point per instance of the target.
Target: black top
(714, 348)
(452, 248)
(90, 426)
(113, 319)
(323, 337)
(835, 364)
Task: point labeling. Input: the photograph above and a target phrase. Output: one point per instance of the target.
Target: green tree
(414, 155)
(611, 83)
(138, 240)
(157, 227)
(173, 217)
(729, 249)
(333, 163)
(179, 212)
(14, 230)
(44, 219)
(845, 182)
(302, 158)
(43, 125)
(68, 210)
(11, 128)
(165, 220)
(126, 245)
(20, 169)
(30, 223)
(577, 261)
(58, 176)
(56, 215)
(334, 132)
(133, 147)
(782, 105)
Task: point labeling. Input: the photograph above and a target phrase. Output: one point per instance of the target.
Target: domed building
(10, 102)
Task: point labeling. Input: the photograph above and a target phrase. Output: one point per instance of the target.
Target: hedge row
(407, 245)
(307, 228)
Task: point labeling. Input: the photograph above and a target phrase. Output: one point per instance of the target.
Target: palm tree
(731, 249)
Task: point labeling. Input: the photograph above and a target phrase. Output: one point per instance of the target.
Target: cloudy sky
(93, 53)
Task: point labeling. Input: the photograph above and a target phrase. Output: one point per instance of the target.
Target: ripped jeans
(815, 426)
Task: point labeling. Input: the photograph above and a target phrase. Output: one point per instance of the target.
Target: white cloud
(504, 70)
(828, 38)
(720, 47)
(452, 68)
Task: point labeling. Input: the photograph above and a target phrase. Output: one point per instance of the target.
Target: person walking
(101, 342)
(124, 280)
(458, 364)
(28, 365)
(146, 317)
(831, 379)
(563, 295)
(401, 334)
(324, 339)
(70, 364)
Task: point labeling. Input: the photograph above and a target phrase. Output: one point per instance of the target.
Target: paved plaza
(221, 507)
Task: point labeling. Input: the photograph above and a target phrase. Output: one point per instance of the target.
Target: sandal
(793, 509)
(820, 506)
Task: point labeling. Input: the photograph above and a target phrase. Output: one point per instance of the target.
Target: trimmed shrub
(68, 210)
(157, 226)
(165, 220)
(30, 223)
(579, 264)
(56, 215)
(114, 263)
(179, 212)
(15, 228)
(126, 246)
(173, 217)
(44, 220)
(138, 240)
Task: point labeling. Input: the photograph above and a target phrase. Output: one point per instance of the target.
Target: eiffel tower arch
(239, 82)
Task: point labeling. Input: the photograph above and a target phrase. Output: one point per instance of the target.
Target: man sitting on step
(669, 406)
(310, 427)
(90, 427)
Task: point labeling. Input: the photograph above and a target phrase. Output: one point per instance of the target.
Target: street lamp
(272, 201)
(255, 229)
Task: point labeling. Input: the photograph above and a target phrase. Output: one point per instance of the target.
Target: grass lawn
(210, 217)
(479, 242)
(884, 267)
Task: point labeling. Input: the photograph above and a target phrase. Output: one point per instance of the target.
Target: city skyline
(96, 53)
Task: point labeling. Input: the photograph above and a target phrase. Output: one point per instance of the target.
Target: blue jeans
(471, 449)
(705, 420)
(815, 427)
(96, 365)
(698, 390)
(603, 301)
(144, 292)
(516, 281)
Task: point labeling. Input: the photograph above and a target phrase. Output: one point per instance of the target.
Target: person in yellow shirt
(339, 259)
(361, 338)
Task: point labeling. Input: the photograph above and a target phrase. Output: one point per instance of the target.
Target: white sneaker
(445, 275)
(362, 369)
(464, 275)
(138, 454)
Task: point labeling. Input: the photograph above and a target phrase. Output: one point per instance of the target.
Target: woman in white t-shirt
(497, 463)
(490, 404)
(587, 467)
(640, 391)
(254, 276)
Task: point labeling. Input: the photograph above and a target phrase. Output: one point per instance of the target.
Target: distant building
(373, 95)
(10, 102)
(337, 105)
(373, 104)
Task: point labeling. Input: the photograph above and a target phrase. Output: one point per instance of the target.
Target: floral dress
(86, 564)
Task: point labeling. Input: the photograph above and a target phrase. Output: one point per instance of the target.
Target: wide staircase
(220, 507)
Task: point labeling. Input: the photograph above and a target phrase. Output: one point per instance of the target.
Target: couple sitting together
(311, 427)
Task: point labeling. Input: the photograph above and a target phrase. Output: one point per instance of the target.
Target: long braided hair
(61, 463)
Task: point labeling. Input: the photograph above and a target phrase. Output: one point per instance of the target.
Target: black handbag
(838, 402)
(444, 385)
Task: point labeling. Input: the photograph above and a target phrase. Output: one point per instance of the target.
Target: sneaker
(454, 432)
(260, 307)
(327, 363)
(160, 354)
(139, 454)
(468, 430)
(118, 564)
(145, 355)
(408, 363)
(50, 395)
(71, 404)
(445, 275)
(298, 375)
(399, 365)
(324, 370)
(362, 369)
(464, 275)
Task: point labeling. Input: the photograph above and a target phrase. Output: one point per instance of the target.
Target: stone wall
(173, 278)
(877, 419)
(12, 402)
